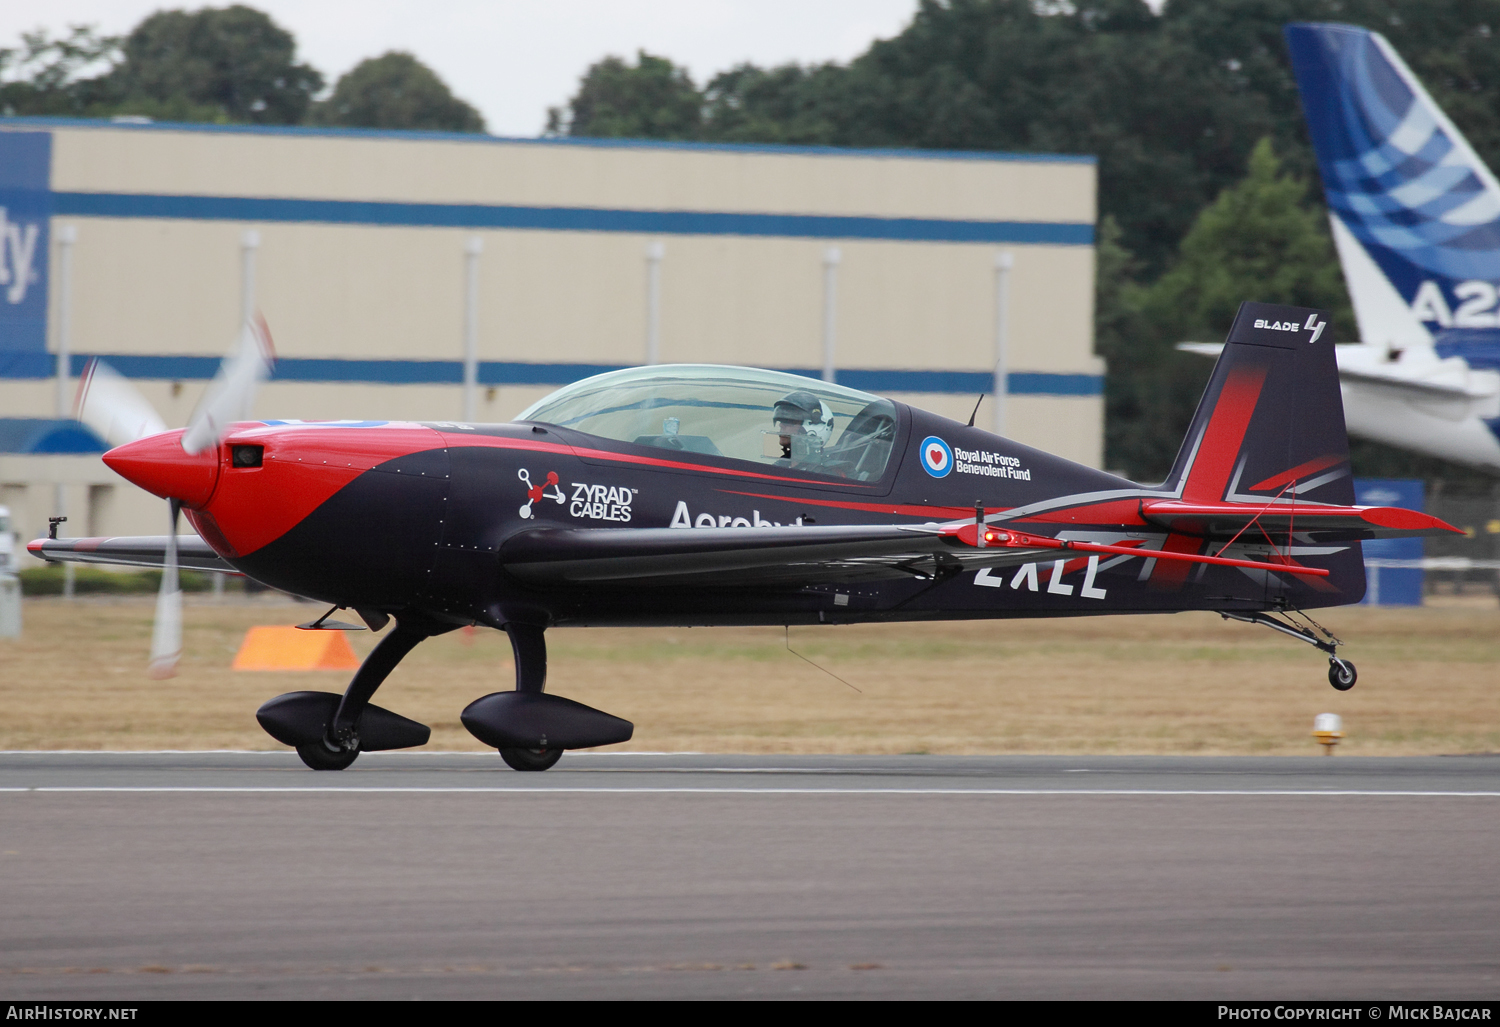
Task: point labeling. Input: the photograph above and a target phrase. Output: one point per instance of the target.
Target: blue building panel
(567, 219)
(1392, 585)
(44, 435)
(25, 210)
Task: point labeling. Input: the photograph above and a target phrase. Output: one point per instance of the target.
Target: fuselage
(398, 515)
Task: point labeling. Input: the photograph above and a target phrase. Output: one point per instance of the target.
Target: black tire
(319, 757)
(530, 759)
(1341, 674)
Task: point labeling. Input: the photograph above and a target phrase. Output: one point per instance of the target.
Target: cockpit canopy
(738, 412)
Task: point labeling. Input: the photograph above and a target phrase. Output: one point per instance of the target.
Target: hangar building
(143, 243)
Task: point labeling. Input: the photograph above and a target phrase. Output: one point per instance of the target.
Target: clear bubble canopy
(743, 413)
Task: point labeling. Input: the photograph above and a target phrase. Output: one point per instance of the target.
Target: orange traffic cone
(275, 647)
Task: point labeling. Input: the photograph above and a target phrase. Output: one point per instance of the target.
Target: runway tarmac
(420, 875)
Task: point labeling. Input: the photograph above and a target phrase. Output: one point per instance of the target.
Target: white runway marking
(566, 790)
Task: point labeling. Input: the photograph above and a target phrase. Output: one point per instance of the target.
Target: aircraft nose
(159, 465)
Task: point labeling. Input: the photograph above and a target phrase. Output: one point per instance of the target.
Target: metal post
(472, 249)
(249, 243)
(60, 509)
(654, 253)
(67, 235)
(831, 257)
(1004, 261)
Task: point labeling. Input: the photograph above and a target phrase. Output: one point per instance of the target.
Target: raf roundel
(937, 458)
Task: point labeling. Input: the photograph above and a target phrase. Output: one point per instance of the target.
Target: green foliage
(43, 76)
(218, 65)
(235, 60)
(652, 99)
(1261, 240)
(789, 104)
(395, 90)
(1171, 104)
(48, 581)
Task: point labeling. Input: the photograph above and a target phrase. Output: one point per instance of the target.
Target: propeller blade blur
(112, 408)
(166, 635)
(232, 392)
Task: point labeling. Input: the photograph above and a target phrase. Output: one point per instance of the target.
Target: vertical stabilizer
(1416, 213)
(1270, 425)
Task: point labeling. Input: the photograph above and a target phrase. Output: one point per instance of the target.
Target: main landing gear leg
(529, 645)
(340, 746)
(1341, 673)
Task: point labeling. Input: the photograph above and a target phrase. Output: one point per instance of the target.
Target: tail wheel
(1341, 674)
(530, 759)
(320, 757)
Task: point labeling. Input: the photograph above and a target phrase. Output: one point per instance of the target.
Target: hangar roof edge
(471, 137)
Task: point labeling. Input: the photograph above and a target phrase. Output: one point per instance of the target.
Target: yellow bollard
(1328, 729)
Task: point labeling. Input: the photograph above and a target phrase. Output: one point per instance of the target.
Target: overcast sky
(515, 58)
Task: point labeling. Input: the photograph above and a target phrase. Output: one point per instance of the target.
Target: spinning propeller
(181, 467)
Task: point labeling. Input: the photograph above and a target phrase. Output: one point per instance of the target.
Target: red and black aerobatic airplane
(709, 495)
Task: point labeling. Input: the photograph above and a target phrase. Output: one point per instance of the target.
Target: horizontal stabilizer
(1320, 523)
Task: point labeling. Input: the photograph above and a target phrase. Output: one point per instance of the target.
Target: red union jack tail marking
(1208, 479)
(1297, 473)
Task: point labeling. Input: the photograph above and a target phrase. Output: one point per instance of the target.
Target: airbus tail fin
(1415, 212)
(1270, 425)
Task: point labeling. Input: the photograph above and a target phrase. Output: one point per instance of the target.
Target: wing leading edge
(130, 551)
(743, 557)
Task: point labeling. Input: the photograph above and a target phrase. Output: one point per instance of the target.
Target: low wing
(837, 554)
(744, 557)
(1323, 523)
(133, 551)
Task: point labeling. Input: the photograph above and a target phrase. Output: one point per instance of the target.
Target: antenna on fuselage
(976, 410)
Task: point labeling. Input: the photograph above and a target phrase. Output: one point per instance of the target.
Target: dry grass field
(1188, 683)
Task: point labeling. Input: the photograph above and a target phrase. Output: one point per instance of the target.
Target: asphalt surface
(415, 875)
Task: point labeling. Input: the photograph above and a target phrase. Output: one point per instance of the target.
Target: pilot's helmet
(805, 409)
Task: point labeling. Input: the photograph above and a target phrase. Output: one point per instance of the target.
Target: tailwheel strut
(1341, 672)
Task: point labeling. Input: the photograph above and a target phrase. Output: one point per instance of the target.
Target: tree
(1259, 240)
(788, 104)
(653, 99)
(43, 76)
(235, 60)
(396, 90)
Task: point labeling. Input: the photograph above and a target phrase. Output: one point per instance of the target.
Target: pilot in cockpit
(801, 425)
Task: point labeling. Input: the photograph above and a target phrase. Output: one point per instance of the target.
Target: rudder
(1271, 422)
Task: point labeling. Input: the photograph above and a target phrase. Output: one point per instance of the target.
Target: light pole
(655, 250)
(831, 258)
(249, 243)
(67, 235)
(1004, 261)
(473, 247)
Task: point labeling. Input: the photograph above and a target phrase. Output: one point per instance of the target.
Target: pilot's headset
(822, 428)
(815, 416)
